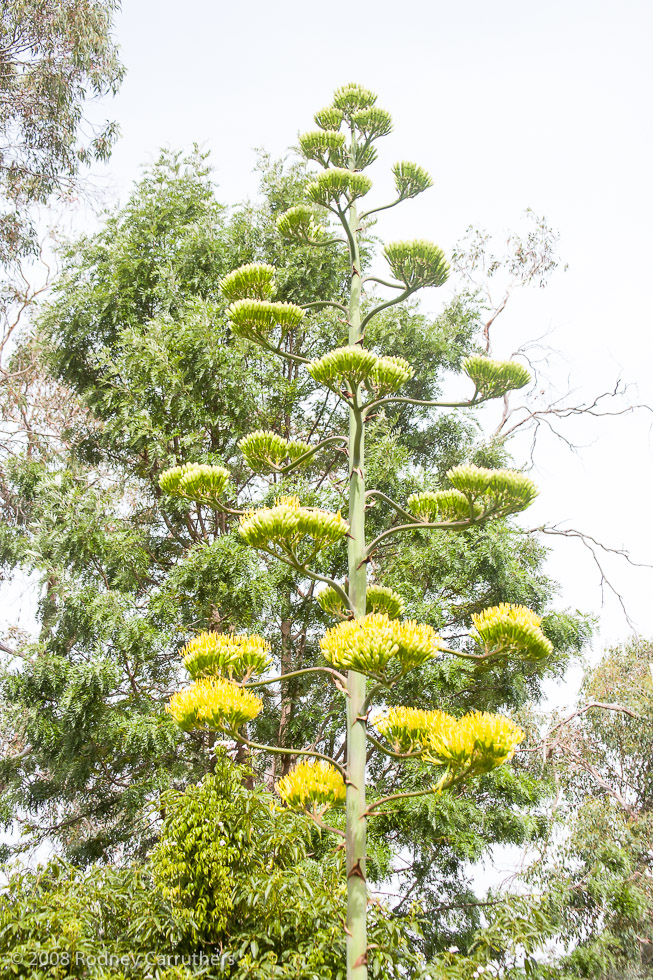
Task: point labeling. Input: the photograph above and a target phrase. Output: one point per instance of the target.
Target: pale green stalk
(356, 725)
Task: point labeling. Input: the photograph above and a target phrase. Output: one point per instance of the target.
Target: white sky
(508, 105)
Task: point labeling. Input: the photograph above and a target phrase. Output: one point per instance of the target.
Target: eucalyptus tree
(370, 650)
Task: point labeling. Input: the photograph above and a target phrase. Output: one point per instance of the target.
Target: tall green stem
(356, 726)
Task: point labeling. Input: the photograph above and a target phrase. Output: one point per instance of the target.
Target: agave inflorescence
(417, 263)
(353, 365)
(312, 785)
(214, 703)
(254, 319)
(267, 452)
(475, 743)
(288, 524)
(300, 225)
(229, 655)
(379, 599)
(252, 281)
(410, 180)
(195, 481)
(371, 640)
(337, 186)
(497, 492)
(370, 644)
(511, 629)
(493, 379)
(442, 505)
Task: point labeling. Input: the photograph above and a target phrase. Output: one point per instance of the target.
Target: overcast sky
(508, 105)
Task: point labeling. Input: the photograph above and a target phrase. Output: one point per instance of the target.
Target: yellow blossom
(508, 628)
(313, 785)
(370, 643)
(213, 702)
(229, 654)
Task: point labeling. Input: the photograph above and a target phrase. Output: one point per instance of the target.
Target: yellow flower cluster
(509, 628)
(313, 785)
(370, 643)
(288, 523)
(475, 743)
(228, 654)
(407, 728)
(213, 702)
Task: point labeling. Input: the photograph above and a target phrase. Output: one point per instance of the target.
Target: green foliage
(56, 55)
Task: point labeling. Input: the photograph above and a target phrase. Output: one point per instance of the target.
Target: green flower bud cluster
(382, 599)
(252, 281)
(378, 599)
(371, 643)
(299, 225)
(511, 629)
(499, 492)
(313, 785)
(373, 122)
(226, 654)
(352, 98)
(417, 263)
(323, 146)
(195, 481)
(494, 378)
(267, 452)
(410, 180)
(330, 118)
(353, 365)
(288, 523)
(254, 319)
(330, 187)
(443, 505)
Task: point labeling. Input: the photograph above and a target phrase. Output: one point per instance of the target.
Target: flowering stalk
(371, 641)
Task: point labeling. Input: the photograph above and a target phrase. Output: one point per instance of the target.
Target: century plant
(370, 648)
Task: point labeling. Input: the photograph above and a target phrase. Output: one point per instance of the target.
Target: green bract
(352, 97)
(322, 145)
(373, 122)
(334, 184)
(265, 451)
(353, 365)
(496, 491)
(494, 378)
(195, 481)
(417, 263)
(329, 118)
(410, 180)
(299, 224)
(253, 281)
(288, 523)
(253, 318)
